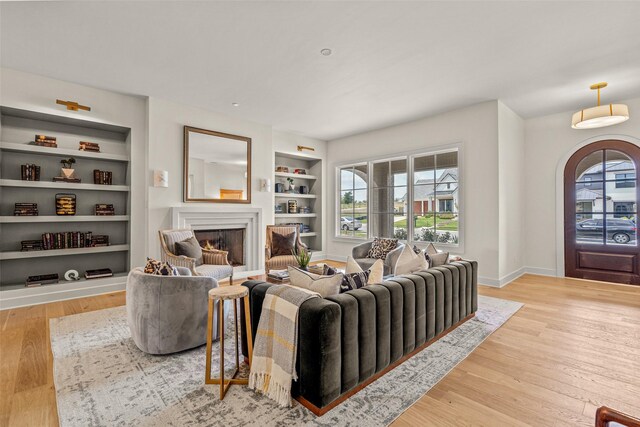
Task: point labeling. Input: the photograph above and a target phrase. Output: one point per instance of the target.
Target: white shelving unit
(19, 128)
(312, 198)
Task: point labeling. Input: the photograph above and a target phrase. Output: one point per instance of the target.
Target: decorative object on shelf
(304, 228)
(96, 274)
(291, 186)
(303, 147)
(65, 204)
(89, 146)
(279, 187)
(292, 206)
(67, 170)
(600, 115)
(72, 105)
(67, 240)
(102, 177)
(300, 171)
(160, 178)
(71, 275)
(104, 209)
(31, 245)
(25, 209)
(279, 208)
(42, 279)
(100, 240)
(46, 141)
(283, 169)
(303, 189)
(265, 185)
(304, 209)
(30, 172)
(303, 257)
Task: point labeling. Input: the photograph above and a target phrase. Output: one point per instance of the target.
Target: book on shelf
(279, 274)
(31, 245)
(46, 144)
(41, 279)
(64, 179)
(25, 209)
(102, 177)
(72, 240)
(95, 274)
(45, 141)
(89, 146)
(100, 240)
(104, 210)
(40, 137)
(30, 172)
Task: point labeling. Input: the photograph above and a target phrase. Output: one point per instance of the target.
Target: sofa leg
(231, 280)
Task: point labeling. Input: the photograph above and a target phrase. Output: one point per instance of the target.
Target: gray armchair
(359, 254)
(167, 314)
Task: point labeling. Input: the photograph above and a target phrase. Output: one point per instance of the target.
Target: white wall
(476, 127)
(511, 188)
(549, 141)
(37, 93)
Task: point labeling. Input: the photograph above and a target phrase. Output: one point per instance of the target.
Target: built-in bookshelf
(19, 128)
(311, 198)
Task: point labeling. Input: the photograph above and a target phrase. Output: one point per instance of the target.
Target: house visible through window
(411, 197)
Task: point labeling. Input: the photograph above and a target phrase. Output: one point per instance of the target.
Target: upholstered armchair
(359, 254)
(215, 263)
(281, 262)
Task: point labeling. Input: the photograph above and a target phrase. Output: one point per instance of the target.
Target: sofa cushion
(409, 262)
(324, 285)
(436, 260)
(160, 268)
(283, 244)
(376, 270)
(381, 247)
(351, 281)
(189, 248)
(215, 271)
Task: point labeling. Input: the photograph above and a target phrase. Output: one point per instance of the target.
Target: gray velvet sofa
(167, 314)
(359, 254)
(348, 340)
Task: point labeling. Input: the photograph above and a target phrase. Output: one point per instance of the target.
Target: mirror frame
(185, 176)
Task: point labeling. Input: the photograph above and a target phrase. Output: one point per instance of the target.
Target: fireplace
(228, 239)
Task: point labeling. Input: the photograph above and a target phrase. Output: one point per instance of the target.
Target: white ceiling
(392, 62)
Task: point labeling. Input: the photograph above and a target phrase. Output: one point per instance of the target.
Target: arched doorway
(601, 212)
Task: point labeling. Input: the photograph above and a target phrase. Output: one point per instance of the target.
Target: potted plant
(67, 171)
(303, 256)
(291, 186)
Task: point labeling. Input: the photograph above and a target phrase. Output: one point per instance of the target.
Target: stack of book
(100, 240)
(102, 177)
(42, 279)
(30, 172)
(94, 274)
(103, 209)
(25, 209)
(46, 141)
(67, 240)
(89, 146)
(280, 275)
(31, 245)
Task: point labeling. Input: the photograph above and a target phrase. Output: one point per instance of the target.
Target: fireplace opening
(230, 240)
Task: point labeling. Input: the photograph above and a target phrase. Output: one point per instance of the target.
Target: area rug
(103, 379)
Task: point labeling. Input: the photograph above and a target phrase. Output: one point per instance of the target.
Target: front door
(601, 212)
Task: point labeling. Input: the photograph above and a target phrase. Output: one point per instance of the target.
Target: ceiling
(392, 61)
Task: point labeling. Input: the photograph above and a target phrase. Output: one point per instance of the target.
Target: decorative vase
(67, 173)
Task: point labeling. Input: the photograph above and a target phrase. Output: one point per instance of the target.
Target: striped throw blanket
(273, 365)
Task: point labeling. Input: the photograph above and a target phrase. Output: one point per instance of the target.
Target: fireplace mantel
(206, 218)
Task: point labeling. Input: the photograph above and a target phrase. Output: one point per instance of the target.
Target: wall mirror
(217, 167)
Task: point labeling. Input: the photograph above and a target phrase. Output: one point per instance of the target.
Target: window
(411, 197)
(353, 201)
(625, 180)
(587, 181)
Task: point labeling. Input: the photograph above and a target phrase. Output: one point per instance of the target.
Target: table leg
(247, 321)
(236, 330)
(207, 374)
(221, 326)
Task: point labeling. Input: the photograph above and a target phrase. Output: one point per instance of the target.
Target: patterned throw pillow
(381, 247)
(353, 281)
(160, 268)
(328, 270)
(283, 244)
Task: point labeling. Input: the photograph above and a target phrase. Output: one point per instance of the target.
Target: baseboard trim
(542, 271)
(339, 258)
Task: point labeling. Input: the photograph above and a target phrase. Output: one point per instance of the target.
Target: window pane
(447, 222)
(423, 199)
(621, 231)
(399, 200)
(346, 200)
(381, 175)
(424, 168)
(382, 200)
(447, 160)
(382, 225)
(399, 172)
(590, 230)
(589, 199)
(590, 168)
(450, 237)
(346, 178)
(347, 223)
(621, 200)
(360, 177)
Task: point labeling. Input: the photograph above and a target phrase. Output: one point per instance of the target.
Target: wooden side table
(222, 294)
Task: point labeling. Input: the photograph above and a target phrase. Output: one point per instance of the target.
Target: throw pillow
(329, 271)
(160, 268)
(283, 244)
(190, 248)
(353, 281)
(416, 250)
(324, 285)
(431, 249)
(409, 262)
(438, 259)
(376, 271)
(381, 247)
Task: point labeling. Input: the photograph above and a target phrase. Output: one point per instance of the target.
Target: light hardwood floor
(574, 346)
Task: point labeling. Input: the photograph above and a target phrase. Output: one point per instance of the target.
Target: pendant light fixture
(600, 115)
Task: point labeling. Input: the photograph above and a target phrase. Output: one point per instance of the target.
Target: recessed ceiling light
(326, 52)
(235, 104)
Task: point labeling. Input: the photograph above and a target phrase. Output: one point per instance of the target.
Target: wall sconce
(265, 185)
(160, 178)
(302, 147)
(72, 105)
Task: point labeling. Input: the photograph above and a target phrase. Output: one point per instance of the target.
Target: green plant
(400, 233)
(290, 180)
(67, 163)
(303, 257)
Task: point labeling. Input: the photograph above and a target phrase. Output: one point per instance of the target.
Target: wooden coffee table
(265, 278)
